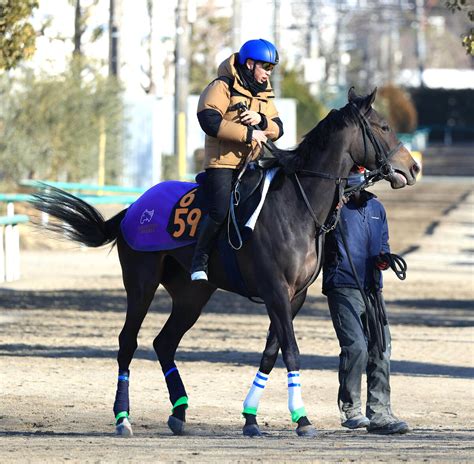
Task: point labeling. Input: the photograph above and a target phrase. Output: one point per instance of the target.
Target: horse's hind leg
(141, 277)
(269, 357)
(189, 298)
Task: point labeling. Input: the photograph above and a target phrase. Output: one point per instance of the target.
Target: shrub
(401, 111)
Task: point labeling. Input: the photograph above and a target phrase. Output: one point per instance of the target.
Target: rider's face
(261, 75)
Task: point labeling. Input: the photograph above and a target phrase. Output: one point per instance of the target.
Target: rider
(365, 229)
(243, 78)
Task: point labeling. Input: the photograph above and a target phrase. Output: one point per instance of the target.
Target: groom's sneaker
(356, 422)
(388, 426)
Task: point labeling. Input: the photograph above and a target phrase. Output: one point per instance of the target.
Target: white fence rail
(10, 244)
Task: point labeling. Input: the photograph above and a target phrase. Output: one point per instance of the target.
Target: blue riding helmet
(258, 50)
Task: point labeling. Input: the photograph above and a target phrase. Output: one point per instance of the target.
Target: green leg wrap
(120, 415)
(297, 414)
(179, 402)
(252, 411)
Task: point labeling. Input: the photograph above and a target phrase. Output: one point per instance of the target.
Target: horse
(276, 263)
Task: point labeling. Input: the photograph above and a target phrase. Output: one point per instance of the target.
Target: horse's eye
(386, 128)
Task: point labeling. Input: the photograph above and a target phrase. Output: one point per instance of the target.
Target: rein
(383, 170)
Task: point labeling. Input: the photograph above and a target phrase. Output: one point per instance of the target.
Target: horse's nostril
(415, 168)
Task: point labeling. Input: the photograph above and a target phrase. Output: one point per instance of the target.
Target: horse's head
(376, 146)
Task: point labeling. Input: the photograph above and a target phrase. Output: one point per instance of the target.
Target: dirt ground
(58, 340)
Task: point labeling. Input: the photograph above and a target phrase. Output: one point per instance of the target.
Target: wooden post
(2, 255)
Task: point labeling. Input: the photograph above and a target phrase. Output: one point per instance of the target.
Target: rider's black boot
(208, 231)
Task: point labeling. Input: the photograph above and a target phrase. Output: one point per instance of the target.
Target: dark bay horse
(276, 263)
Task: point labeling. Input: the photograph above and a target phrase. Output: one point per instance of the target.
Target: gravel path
(58, 340)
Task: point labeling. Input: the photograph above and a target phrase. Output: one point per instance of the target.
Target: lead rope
(376, 312)
(361, 290)
(399, 267)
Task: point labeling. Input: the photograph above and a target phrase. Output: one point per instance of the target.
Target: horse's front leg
(279, 309)
(269, 357)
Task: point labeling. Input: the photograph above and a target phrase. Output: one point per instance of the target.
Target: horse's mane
(316, 138)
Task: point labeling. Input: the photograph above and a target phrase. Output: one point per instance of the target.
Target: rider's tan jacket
(227, 141)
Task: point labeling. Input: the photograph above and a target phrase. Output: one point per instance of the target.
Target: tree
(309, 110)
(399, 109)
(50, 127)
(468, 36)
(210, 34)
(17, 36)
(82, 15)
(149, 70)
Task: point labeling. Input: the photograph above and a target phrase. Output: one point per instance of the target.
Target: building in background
(333, 43)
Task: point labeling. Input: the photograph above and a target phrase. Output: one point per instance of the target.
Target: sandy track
(58, 341)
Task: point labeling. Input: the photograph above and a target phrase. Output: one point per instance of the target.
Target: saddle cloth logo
(146, 216)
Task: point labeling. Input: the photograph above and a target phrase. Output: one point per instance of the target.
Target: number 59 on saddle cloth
(167, 215)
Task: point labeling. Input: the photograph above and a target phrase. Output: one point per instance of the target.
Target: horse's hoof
(176, 425)
(124, 429)
(251, 430)
(306, 431)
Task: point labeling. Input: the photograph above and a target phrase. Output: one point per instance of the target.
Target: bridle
(383, 170)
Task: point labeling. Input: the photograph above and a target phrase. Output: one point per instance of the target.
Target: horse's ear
(368, 101)
(351, 95)
(372, 96)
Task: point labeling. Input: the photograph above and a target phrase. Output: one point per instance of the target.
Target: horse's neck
(322, 193)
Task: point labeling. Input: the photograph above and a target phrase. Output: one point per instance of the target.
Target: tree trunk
(77, 29)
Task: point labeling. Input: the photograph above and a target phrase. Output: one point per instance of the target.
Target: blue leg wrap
(122, 401)
(174, 383)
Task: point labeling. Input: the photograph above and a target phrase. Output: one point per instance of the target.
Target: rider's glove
(382, 262)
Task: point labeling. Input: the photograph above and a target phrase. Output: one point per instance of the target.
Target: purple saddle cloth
(144, 226)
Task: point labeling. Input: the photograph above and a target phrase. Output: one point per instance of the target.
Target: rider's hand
(260, 136)
(382, 262)
(250, 118)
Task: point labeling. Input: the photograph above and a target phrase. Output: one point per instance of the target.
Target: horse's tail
(79, 220)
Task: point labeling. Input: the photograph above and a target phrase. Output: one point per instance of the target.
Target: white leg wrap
(255, 393)
(295, 400)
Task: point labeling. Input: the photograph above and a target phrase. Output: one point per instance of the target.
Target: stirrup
(199, 275)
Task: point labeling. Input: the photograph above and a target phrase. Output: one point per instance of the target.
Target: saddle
(191, 207)
(167, 216)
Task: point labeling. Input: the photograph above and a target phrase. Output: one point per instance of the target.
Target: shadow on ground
(423, 312)
(235, 357)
